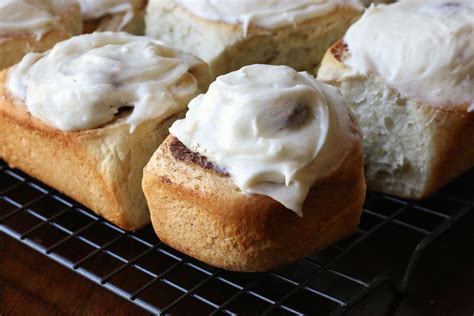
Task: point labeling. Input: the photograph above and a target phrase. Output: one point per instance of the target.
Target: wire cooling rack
(136, 266)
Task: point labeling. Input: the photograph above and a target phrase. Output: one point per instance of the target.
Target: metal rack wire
(136, 266)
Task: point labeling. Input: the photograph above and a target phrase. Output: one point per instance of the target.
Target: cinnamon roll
(265, 169)
(86, 116)
(407, 72)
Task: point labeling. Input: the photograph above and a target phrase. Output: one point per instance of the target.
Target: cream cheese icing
(93, 9)
(35, 16)
(276, 131)
(82, 82)
(264, 13)
(422, 48)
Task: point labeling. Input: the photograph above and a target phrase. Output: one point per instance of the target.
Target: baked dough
(227, 46)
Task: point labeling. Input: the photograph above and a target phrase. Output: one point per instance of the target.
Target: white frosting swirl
(423, 48)
(94, 9)
(82, 82)
(265, 13)
(35, 16)
(276, 131)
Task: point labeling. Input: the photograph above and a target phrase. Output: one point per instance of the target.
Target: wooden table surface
(32, 284)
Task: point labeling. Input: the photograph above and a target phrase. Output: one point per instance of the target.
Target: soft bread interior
(411, 149)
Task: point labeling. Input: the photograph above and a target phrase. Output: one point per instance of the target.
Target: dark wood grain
(32, 284)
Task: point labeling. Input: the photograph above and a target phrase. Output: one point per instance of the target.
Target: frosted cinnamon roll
(113, 15)
(232, 34)
(35, 26)
(86, 116)
(265, 168)
(412, 92)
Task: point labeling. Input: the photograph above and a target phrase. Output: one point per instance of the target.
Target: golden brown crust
(203, 214)
(14, 46)
(454, 153)
(100, 168)
(450, 130)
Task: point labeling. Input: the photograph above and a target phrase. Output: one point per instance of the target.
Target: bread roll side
(100, 168)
